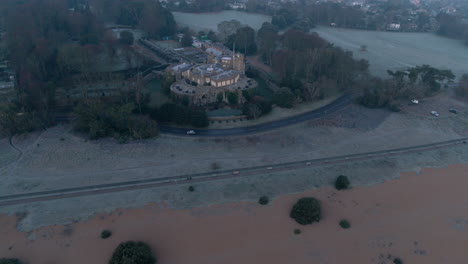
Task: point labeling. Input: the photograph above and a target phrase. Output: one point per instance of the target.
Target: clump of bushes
(306, 211)
(398, 261)
(191, 188)
(297, 231)
(98, 119)
(283, 97)
(106, 234)
(10, 261)
(181, 115)
(132, 252)
(264, 200)
(342, 183)
(15, 121)
(215, 166)
(345, 224)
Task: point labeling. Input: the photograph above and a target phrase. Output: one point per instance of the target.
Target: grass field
(396, 50)
(210, 21)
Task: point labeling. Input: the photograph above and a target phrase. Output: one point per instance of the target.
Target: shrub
(398, 261)
(98, 119)
(345, 224)
(264, 200)
(15, 121)
(297, 231)
(191, 189)
(284, 98)
(106, 234)
(233, 98)
(306, 211)
(342, 182)
(132, 252)
(215, 166)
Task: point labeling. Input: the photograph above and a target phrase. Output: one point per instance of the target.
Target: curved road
(336, 105)
(26, 198)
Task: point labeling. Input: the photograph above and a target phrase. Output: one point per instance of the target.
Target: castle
(210, 82)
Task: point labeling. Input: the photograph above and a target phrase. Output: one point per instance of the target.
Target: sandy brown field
(421, 218)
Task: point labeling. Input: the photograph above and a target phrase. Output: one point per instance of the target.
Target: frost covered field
(396, 50)
(210, 21)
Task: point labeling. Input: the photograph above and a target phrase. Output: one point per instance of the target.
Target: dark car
(453, 110)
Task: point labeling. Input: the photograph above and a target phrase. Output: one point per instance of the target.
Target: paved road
(336, 105)
(26, 198)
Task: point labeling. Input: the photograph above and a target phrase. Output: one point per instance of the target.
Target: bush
(14, 121)
(99, 119)
(106, 234)
(306, 211)
(215, 166)
(132, 252)
(345, 224)
(297, 231)
(398, 261)
(342, 183)
(284, 98)
(191, 189)
(264, 200)
(233, 98)
(10, 261)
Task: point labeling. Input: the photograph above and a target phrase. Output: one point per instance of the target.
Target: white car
(191, 132)
(434, 113)
(415, 101)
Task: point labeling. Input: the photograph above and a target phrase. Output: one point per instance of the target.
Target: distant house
(394, 27)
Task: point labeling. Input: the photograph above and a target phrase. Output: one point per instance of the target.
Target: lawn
(398, 50)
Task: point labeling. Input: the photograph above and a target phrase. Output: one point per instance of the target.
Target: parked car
(191, 132)
(453, 110)
(434, 113)
(414, 101)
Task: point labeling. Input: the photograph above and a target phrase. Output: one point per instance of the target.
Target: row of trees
(415, 82)
(452, 27)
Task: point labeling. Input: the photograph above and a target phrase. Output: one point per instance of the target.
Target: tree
(233, 98)
(430, 76)
(244, 39)
(187, 39)
(284, 98)
(264, 200)
(279, 21)
(266, 37)
(342, 182)
(227, 28)
(105, 234)
(345, 224)
(462, 89)
(132, 252)
(306, 211)
(126, 37)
